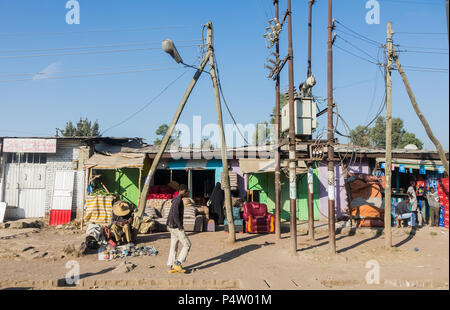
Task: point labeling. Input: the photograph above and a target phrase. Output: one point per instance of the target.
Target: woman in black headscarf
(215, 205)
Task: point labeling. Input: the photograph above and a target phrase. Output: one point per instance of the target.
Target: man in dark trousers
(177, 233)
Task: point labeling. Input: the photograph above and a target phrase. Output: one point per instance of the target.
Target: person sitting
(121, 223)
(403, 213)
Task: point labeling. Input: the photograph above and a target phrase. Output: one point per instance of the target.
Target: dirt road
(32, 258)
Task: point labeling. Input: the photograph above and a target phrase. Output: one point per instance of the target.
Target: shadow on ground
(226, 257)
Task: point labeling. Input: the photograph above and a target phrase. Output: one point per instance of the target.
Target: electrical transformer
(305, 114)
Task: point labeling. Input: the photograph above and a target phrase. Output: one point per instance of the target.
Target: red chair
(257, 219)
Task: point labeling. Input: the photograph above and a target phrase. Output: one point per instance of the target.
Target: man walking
(433, 202)
(177, 233)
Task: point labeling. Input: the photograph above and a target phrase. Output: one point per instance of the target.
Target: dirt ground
(416, 261)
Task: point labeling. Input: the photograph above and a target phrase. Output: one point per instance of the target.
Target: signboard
(29, 145)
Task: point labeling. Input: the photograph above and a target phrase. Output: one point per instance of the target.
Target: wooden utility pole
(143, 196)
(330, 151)
(419, 113)
(226, 180)
(277, 130)
(292, 120)
(310, 169)
(310, 201)
(388, 165)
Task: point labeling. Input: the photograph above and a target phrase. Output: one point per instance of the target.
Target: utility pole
(311, 2)
(388, 166)
(226, 180)
(330, 151)
(419, 113)
(310, 169)
(292, 118)
(277, 130)
(209, 56)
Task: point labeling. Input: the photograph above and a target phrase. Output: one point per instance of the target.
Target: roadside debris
(110, 252)
(124, 267)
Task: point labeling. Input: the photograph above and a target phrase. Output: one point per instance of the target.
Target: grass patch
(433, 233)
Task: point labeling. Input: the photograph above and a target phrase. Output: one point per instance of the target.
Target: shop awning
(413, 163)
(115, 161)
(256, 165)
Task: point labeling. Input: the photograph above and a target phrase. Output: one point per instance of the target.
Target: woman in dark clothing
(215, 204)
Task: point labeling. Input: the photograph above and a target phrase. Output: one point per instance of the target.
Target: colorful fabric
(98, 209)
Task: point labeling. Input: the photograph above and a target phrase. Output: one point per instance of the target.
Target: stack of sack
(192, 220)
(367, 203)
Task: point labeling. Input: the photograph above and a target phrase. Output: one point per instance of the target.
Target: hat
(121, 208)
(174, 184)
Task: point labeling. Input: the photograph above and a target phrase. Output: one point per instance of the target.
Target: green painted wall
(265, 182)
(124, 182)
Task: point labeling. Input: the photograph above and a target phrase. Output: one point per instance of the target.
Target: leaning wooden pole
(143, 197)
(226, 179)
(419, 113)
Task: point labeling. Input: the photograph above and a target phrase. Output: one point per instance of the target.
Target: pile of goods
(366, 203)
(163, 191)
(443, 201)
(111, 252)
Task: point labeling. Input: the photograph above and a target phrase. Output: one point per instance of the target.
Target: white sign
(29, 145)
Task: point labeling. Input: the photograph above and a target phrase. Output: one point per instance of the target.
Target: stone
(4, 225)
(124, 267)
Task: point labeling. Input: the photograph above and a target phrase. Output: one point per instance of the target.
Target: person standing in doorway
(177, 233)
(433, 202)
(215, 204)
(413, 200)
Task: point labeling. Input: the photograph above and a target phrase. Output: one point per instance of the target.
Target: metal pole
(311, 2)
(162, 148)
(419, 113)
(226, 180)
(331, 182)
(310, 201)
(277, 129)
(292, 162)
(310, 171)
(388, 169)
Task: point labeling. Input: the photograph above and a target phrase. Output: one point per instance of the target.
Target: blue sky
(35, 107)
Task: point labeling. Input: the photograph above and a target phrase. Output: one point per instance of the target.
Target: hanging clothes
(215, 204)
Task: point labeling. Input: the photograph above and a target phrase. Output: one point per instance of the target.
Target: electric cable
(147, 104)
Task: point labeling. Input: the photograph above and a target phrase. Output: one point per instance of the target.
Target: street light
(169, 48)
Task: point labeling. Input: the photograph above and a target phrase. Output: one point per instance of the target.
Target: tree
(376, 136)
(83, 128)
(161, 131)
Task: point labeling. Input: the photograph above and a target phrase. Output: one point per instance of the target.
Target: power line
(359, 38)
(87, 75)
(348, 52)
(360, 35)
(426, 68)
(412, 2)
(147, 104)
(225, 102)
(95, 31)
(356, 47)
(423, 48)
(72, 71)
(88, 47)
(421, 33)
(423, 52)
(91, 52)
